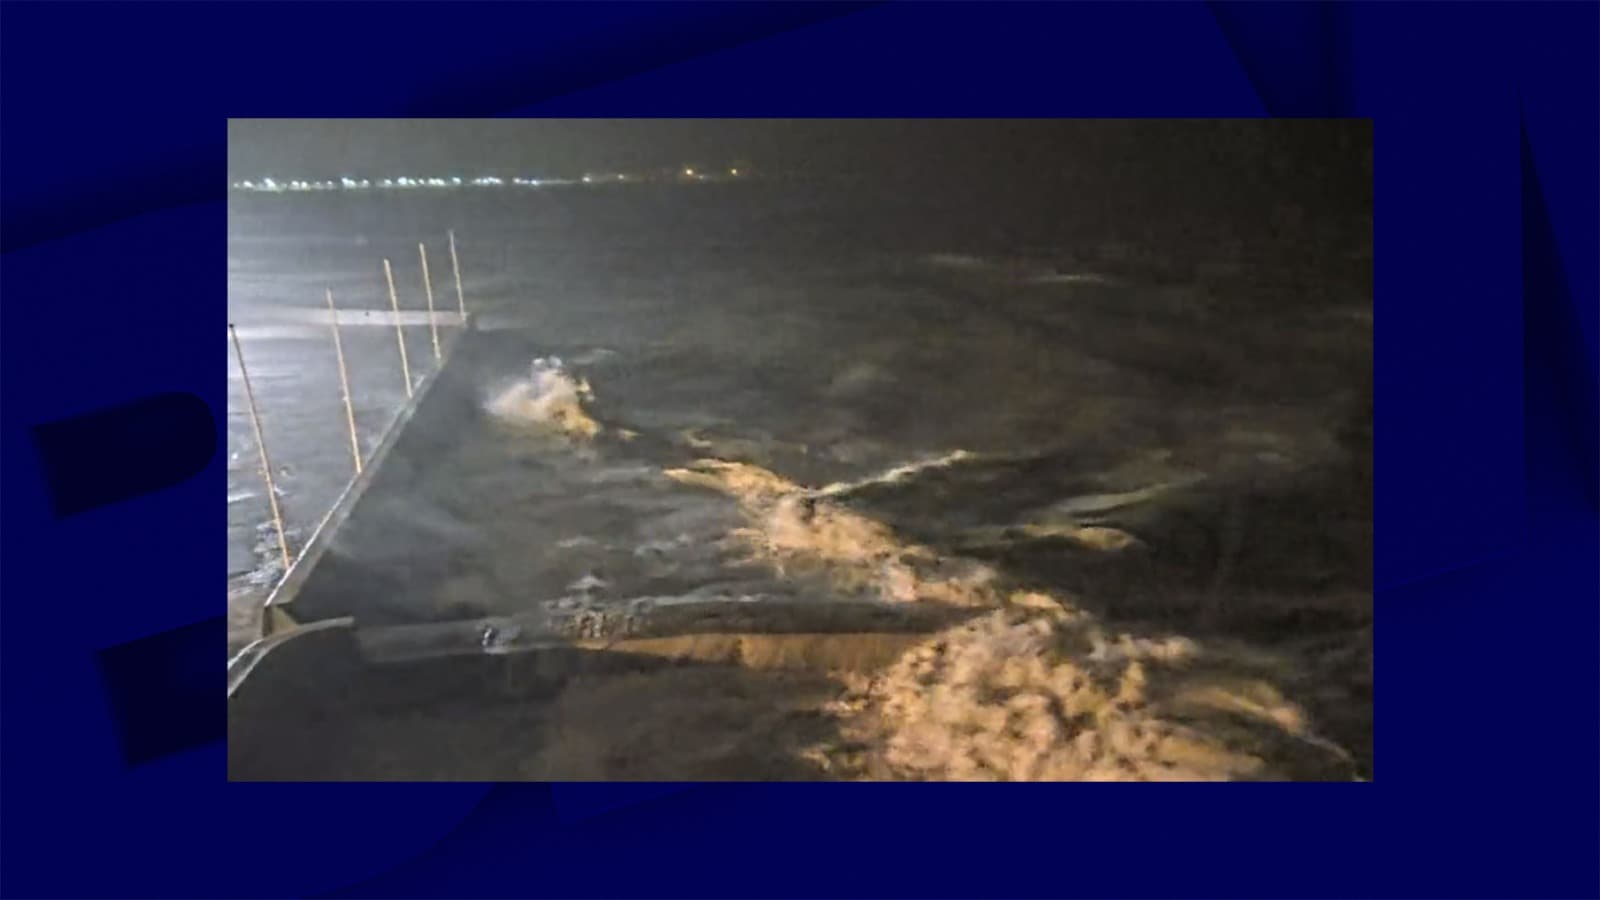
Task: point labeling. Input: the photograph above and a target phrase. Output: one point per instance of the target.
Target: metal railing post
(261, 445)
(344, 384)
(427, 284)
(399, 330)
(455, 266)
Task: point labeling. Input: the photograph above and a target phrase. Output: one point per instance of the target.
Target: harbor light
(350, 182)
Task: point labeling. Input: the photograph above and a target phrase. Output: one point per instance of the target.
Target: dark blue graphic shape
(575, 802)
(1554, 332)
(165, 690)
(113, 454)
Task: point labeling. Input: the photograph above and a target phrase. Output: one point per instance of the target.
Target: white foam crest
(897, 474)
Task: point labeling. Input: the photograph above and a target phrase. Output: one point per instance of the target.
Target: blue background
(113, 288)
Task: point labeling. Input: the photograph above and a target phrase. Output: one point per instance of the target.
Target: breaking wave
(551, 398)
(1034, 686)
(1038, 689)
(1024, 696)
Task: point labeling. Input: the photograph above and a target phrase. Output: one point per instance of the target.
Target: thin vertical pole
(344, 383)
(427, 283)
(455, 266)
(261, 445)
(400, 334)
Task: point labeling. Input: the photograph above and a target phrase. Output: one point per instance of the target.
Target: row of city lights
(273, 186)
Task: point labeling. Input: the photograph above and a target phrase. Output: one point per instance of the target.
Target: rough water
(1152, 433)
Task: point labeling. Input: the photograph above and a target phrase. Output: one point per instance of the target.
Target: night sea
(1157, 407)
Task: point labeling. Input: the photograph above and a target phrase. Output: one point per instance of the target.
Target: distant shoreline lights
(686, 174)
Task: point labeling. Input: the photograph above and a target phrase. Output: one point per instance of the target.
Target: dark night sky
(331, 147)
(1322, 164)
(564, 146)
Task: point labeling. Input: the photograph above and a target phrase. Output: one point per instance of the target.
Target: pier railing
(298, 562)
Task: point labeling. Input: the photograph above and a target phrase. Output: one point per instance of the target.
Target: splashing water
(551, 398)
(1036, 689)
